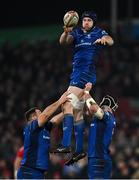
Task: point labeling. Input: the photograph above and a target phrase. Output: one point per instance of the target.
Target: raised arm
(43, 117)
(66, 38)
(57, 119)
(91, 103)
(105, 40)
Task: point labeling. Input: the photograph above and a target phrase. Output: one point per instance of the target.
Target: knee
(67, 108)
(78, 115)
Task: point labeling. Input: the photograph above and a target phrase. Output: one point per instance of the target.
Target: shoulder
(76, 30)
(32, 125)
(100, 30)
(108, 116)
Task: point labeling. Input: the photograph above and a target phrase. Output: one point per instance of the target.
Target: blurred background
(35, 69)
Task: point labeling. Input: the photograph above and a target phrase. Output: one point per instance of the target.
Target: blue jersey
(100, 136)
(85, 53)
(36, 145)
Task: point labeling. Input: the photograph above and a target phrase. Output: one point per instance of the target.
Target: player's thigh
(76, 94)
(78, 114)
(76, 90)
(67, 108)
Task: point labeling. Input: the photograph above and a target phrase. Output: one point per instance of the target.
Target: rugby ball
(71, 19)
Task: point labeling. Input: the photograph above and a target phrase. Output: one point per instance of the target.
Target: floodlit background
(35, 69)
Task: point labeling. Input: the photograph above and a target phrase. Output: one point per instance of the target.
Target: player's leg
(79, 127)
(68, 121)
(67, 127)
(78, 117)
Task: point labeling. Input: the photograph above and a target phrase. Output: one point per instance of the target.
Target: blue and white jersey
(100, 136)
(84, 49)
(36, 145)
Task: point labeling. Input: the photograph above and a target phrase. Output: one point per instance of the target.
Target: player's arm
(66, 38)
(91, 103)
(57, 119)
(43, 117)
(16, 165)
(108, 40)
(105, 40)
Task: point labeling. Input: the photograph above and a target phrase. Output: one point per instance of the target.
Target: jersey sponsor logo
(64, 129)
(92, 124)
(46, 137)
(104, 32)
(84, 44)
(88, 36)
(74, 82)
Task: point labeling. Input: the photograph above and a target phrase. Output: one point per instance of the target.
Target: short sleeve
(102, 33)
(73, 33)
(107, 117)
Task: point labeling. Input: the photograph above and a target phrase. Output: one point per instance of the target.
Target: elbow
(42, 119)
(61, 42)
(97, 112)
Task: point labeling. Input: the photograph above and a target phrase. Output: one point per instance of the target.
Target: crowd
(37, 74)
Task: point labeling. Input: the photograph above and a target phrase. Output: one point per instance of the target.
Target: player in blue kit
(87, 42)
(102, 127)
(35, 160)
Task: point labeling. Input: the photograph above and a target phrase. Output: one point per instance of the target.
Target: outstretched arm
(91, 103)
(66, 38)
(43, 117)
(57, 119)
(105, 40)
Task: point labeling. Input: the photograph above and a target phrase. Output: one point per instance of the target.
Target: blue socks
(67, 129)
(78, 130)
(79, 134)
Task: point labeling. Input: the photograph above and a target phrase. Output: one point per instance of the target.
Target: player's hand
(88, 87)
(102, 41)
(64, 98)
(67, 29)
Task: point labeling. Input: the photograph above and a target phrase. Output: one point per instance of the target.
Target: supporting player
(102, 127)
(34, 164)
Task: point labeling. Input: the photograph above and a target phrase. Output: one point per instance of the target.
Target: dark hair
(29, 113)
(109, 101)
(90, 14)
